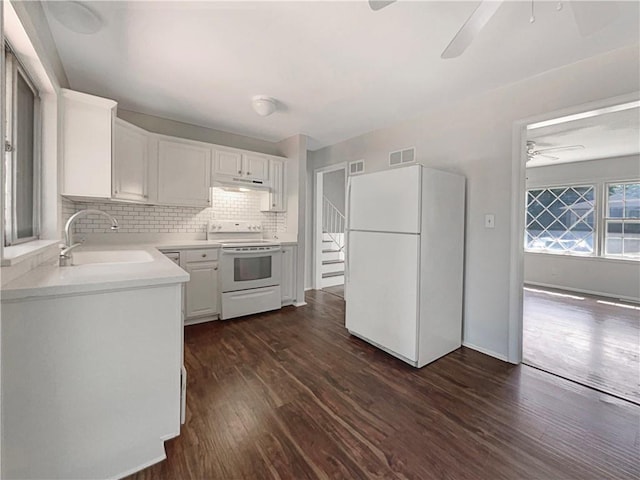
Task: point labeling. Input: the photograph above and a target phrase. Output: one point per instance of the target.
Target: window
(21, 181)
(622, 220)
(561, 220)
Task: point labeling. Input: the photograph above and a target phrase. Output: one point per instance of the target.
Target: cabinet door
(87, 130)
(184, 174)
(276, 201)
(278, 193)
(288, 275)
(255, 167)
(130, 162)
(201, 291)
(227, 164)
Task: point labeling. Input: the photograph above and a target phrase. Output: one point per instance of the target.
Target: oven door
(246, 269)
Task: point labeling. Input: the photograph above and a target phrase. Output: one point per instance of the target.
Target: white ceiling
(339, 69)
(607, 135)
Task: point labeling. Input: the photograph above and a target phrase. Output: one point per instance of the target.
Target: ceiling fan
(533, 152)
(589, 17)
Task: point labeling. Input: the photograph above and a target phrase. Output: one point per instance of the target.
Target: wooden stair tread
(331, 262)
(332, 274)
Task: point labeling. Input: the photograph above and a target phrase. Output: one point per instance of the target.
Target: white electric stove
(250, 269)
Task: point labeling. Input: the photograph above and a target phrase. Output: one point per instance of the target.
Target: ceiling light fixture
(263, 105)
(76, 16)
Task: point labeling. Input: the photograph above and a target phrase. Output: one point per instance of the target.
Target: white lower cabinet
(288, 279)
(201, 291)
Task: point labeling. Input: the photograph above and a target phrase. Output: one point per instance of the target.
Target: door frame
(518, 191)
(318, 183)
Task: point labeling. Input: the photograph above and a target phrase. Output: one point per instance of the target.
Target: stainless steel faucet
(66, 255)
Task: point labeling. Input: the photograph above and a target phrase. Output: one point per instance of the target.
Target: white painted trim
(485, 351)
(516, 268)
(318, 175)
(142, 466)
(299, 304)
(586, 292)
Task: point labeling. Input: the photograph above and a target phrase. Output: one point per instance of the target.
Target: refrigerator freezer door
(382, 290)
(386, 201)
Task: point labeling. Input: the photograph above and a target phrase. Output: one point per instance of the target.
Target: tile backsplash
(135, 218)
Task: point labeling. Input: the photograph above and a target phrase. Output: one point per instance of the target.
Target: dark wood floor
(335, 290)
(291, 395)
(592, 340)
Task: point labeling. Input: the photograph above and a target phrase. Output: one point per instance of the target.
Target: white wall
(474, 137)
(603, 276)
(295, 149)
(174, 128)
(333, 187)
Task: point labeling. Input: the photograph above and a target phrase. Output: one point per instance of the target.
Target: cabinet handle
(273, 205)
(146, 196)
(240, 171)
(215, 268)
(204, 255)
(115, 191)
(248, 173)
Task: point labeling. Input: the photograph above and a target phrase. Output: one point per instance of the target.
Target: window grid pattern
(622, 220)
(561, 220)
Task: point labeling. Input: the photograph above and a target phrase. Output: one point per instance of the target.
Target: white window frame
(606, 220)
(13, 69)
(596, 220)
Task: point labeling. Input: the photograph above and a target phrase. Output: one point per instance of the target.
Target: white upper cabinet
(228, 163)
(255, 167)
(276, 201)
(130, 162)
(184, 173)
(87, 125)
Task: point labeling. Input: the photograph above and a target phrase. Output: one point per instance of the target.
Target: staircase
(332, 245)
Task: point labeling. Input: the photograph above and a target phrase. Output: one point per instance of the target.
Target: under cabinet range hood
(236, 184)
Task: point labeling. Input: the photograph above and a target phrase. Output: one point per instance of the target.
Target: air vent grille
(400, 157)
(356, 167)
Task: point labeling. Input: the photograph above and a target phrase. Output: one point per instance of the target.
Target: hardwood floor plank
(291, 395)
(592, 340)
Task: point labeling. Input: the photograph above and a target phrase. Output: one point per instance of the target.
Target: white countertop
(50, 279)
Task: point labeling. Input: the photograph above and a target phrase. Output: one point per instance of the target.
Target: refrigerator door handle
(346, 231)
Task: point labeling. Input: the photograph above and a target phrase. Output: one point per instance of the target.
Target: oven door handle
(252, 252)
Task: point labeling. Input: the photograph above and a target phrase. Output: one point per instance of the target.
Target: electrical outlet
(489, 220)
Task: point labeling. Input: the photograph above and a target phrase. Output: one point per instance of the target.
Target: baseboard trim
(486, 351)
(299, 304)
(586, 292)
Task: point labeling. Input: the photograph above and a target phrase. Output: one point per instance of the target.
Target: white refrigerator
(405, 260)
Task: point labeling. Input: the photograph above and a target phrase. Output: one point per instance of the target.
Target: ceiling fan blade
(476, 22)
(591, 17)
(376, 5)
(560, 149)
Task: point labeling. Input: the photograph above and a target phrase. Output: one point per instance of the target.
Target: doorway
(580, 229)
(329, 228)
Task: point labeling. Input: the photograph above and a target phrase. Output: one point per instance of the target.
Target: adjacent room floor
(289, 394)
(592, 340)
(335, 290)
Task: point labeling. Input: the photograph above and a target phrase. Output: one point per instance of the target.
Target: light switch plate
(489, 220)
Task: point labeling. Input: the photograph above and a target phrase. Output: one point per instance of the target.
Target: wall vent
(399, 157)
(356, 167)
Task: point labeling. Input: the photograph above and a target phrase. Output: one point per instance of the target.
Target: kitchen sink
(111, 256)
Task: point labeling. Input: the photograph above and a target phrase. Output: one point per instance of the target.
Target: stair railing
(333, 223)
